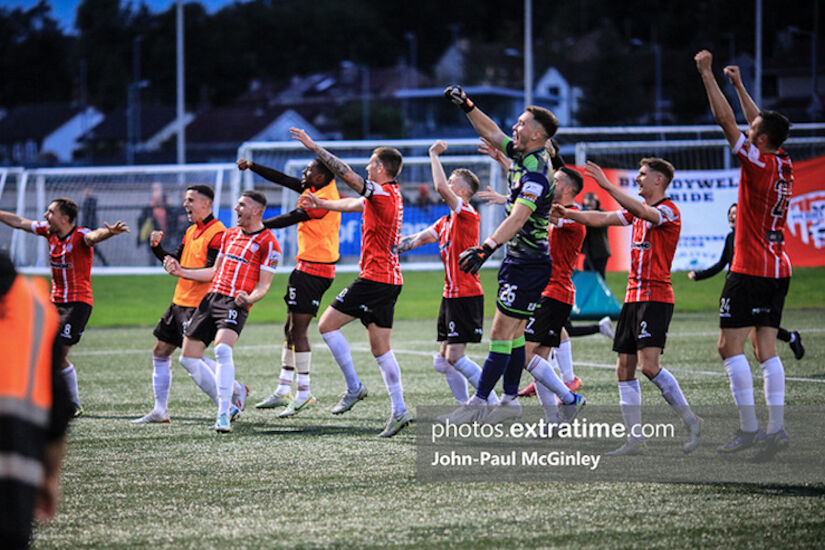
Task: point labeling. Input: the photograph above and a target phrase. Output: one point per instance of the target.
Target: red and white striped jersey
(456, 232)
(652, 255)
(765, 187)
(243, 256)
(565, 238)
(381, 233)
(71, 263)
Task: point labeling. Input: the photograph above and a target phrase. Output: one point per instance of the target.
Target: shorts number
(507, 295)
(232, 315)
(529, 328)
(452, 326)
(67, 329)
(724, 305)
(291, 291)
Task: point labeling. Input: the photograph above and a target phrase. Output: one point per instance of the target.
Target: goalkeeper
(526, 267)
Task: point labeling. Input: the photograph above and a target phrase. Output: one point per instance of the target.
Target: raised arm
(749, 106)
(440, 178)
(285, 220)
(203, 275)
(270, 174)
(347, 204)
(591, 218)
(722, 112)
(338, 167)
(490, 196)
(632, 204)
(260, 290)
(483, 124)
(16, 222)
(106, 232)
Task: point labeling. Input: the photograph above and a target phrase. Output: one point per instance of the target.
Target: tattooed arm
(340, 168)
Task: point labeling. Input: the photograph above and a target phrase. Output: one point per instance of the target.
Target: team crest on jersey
(255, 247)
(69, 247)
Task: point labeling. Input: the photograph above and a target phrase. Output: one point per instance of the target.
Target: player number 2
(782, 202)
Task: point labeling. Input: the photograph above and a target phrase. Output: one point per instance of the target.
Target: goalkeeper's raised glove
(457, 96)
(471, 260)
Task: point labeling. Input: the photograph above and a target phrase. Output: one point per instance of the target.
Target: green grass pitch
(319, 480)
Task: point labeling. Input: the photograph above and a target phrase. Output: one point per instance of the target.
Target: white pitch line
(366, 349)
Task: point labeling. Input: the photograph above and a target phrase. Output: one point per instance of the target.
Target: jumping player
(461, 315)
(759, 276)
(642, 329)
(198, 249)
(240, 277)
(70, 255)
(372, 296)
(312, 276)
(526, 267)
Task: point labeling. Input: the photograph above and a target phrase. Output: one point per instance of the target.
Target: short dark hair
(390, 159)
(204, 190)
(776, 126)
(67, 206)
(324, 169)
(575, 177)
(469, 177)
(732, 206)
(660, 165)
(545, 118)
(7, 274)
(256, 196)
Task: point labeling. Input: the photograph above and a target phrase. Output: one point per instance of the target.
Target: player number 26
(507, 294)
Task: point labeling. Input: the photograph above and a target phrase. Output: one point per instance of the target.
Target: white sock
(564, 356)
(672, 393)
(302, 362)
(70, 376)
(303, 387)
(210, 363)
(339, 347)
(774, 375)
(392, 379)
(225, 376)
(476, 401)
(202, 375)
(287, 371)
(741, 386)
(544, 374)
(630, 401)
(455, 380)
(472, 372)
(548, 402)
(161, 381)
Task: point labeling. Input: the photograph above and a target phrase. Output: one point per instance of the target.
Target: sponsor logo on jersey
(644, 245)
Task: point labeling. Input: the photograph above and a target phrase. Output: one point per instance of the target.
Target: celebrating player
(312, 276)
(756, 285)
(642, 329)
(372, 296)
(198, 249)
(526, 267)
(793, 338)
(240, 277)
(461, 315)
(70, 255)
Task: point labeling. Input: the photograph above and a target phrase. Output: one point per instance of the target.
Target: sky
(63, 10)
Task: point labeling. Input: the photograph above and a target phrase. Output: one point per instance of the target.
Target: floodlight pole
(528, 52)
(181, 113)
(757, 84)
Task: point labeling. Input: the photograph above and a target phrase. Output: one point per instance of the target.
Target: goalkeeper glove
(471, 260)
(457, 96)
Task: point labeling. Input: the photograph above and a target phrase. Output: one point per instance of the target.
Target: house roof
(234, 123)
(153, 118)
(35, 121)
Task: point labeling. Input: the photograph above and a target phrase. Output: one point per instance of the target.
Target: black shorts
(520, 285)
(460, 320)
(545, 325)
(173, 324)
(73, 319)
(304, 292)
(369, 301)
(749, 301)
(216, 311)
(642, 325)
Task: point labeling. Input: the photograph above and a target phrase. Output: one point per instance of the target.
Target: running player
(759, 276)
(312, 276)
(792, 337)
(198, 249)
(70, 255)
(240, 277)
(642, 329)
(461, 315)
(526, 267)
(372, 296)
